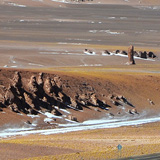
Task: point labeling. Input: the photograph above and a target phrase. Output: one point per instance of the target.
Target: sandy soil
(96, 144)
(38, 36)
(56, 3)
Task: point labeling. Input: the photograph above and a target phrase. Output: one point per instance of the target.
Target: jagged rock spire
(131, 54)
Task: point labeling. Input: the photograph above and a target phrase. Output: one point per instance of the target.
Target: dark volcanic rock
(106, 52)
(123, 52)
(151, 55)
(143, 54)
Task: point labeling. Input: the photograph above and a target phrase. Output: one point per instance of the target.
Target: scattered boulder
(111, 114)
(143, 54)
(116, 103)
(151, 55)
(133, 111)
(72, 118)
(89, 52)
(28, 122)
(14, 108)
(123, 52)
(117, 51)
(110, 96)
(136, 54)
(106, 52)
(121, 98)
(151, 102)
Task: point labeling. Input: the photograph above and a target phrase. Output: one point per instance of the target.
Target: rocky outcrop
(48, 85)
(16, 81)
(72, 118)
(133, 111)
(14, 108)
(151, 102)
(37, 93)
(9, 95)
(131, 55)
(151, 55)
(94, 99)
(143, 54)
(32, 85)
(106, 52)
(117, 51)
(2, 99)
(40, 79)
(58, 82)
(28, 100)
(123, 52)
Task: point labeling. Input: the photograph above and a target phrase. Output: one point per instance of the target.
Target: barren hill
(75, 96)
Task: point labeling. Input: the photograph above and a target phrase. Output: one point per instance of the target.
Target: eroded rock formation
(37, 93)
(131, 55)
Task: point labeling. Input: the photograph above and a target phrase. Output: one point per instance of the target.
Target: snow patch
(5, 66)
(17, 5)
(106, 31)
(34, 64)
(91, 65)
(123, 17)
(48, 120)
(33, 116)
(87, 125)
(111, 17)
(50, 115)
(13, 66)
(12, 59)
(90, 53)
(64, 110)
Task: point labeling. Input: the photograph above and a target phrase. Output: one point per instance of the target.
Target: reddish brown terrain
(68, 67)
(87, 94)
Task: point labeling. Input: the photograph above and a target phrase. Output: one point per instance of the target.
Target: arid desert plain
(79, 78)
